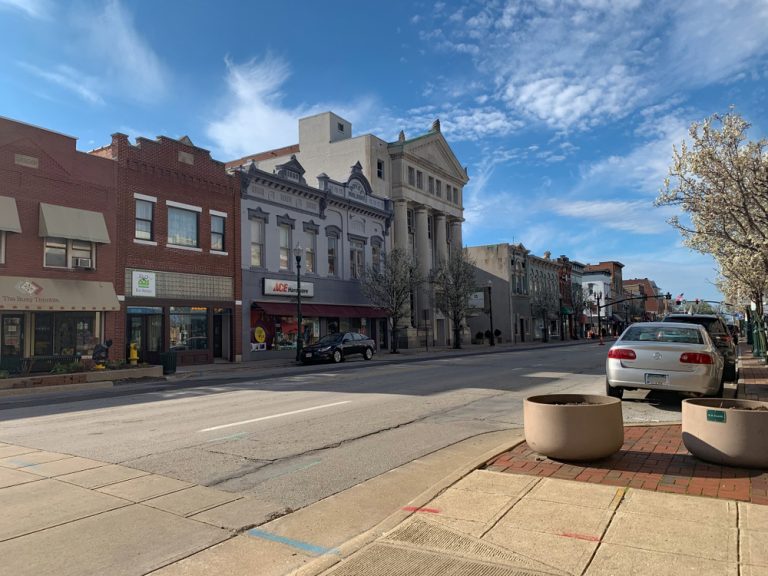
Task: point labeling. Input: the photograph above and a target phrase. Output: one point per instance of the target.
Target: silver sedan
(664, 356)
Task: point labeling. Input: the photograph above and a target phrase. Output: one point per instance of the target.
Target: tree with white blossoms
(454, 282)
(390, 288)
(721, 182)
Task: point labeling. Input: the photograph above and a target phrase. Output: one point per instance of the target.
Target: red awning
(324, 310)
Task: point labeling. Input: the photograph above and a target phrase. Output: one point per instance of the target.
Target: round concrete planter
(727, 431)
(573, 426)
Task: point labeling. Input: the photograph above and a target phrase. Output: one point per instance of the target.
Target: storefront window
(188, 328)
(64, 333)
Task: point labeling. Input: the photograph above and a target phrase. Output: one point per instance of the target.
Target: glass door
(12, 336)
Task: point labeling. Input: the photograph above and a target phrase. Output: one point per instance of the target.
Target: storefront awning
(17, 293)
(72, 223)
(321, 310)
(9, 215)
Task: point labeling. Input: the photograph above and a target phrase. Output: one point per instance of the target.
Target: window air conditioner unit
(83, 263)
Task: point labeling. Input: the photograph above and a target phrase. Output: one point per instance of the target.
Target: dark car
(721, 336)
(338, 346)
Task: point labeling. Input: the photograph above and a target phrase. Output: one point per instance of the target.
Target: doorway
(12, 336)
(145, 329)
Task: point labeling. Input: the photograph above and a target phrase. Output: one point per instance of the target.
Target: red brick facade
(179, 173)
(38, 166)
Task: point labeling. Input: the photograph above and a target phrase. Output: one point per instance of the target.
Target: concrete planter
(727, 431)
(573, 426)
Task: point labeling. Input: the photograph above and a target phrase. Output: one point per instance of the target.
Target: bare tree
(454, 283)
(390, 288)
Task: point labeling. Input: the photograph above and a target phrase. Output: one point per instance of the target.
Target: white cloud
(576, 64)
(129, 63)
(33, 8)
(627, 216)
(70, 79)
(253, 116)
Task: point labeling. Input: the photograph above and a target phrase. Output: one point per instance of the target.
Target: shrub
(479, 336)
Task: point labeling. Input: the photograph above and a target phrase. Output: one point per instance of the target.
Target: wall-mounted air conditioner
(83, 263)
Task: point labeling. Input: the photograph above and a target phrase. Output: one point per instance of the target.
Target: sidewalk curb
(350, 547)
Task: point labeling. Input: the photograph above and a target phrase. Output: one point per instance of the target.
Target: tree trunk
(457, 338)
(393, 346)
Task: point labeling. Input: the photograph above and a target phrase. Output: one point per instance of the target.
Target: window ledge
(144, 242)
(219, 253)
(179, 247)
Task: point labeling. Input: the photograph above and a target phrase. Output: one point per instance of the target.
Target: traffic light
(697, 301)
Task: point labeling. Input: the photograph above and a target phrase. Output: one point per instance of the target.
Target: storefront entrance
(12, 336)
(145, 329)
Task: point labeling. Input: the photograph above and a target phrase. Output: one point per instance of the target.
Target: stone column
(422, 240)
(401, 224)
(457, 243)
(440, 242)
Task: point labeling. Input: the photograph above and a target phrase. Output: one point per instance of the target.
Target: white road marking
(274, 416)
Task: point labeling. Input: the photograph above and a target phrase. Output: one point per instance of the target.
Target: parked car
(721, 336)
(338, 346)
(664, 356)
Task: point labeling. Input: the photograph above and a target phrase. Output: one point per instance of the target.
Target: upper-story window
(285, 246)
(257, 242)
(183, 227)
(145, 217)
(292, 175)
(2, 246)
(333, 254)
(439, 189)
(419, 179)
(310, 253)
(376, 254)
(356, 258)
(411, 176)
(410, 222)
(431, 185)
(340, 127)
(217, 232)
(65, 253)
(455, 195)
(380, 169)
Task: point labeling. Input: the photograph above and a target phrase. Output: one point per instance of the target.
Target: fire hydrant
(133, 354)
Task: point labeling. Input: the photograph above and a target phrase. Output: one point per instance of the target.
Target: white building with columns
(422, 177)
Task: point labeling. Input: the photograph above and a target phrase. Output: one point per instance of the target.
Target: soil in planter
(744, 408)
(572, 404)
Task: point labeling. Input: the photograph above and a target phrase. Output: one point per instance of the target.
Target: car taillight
(622, 354)
(696, 358)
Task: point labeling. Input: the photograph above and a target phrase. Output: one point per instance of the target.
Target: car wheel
(368, 354)
(337, 357)
(613, 392)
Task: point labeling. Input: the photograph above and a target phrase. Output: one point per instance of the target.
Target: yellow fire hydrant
(133, 354)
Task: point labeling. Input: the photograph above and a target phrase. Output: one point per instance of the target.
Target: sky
(565, 112)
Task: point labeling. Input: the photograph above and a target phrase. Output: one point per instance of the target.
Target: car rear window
(659, 334)
(713, 325)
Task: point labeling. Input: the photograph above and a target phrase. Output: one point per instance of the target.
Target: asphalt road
(293, 440)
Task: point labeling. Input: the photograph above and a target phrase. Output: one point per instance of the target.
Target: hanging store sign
(287, 288)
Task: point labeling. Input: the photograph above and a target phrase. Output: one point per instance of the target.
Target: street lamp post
(492, 339)
(599, 324)
(298, 252)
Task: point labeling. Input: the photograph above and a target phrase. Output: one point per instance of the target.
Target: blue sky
(564, 111)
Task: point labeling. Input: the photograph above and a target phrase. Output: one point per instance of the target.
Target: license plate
(656, 379)
(308, 355)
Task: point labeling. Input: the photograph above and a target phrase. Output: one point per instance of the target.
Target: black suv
(721, 336)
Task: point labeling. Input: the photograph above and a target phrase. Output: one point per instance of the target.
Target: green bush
(68, 368)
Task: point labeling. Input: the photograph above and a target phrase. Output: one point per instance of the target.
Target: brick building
(177, 272)
(651, 307)
(58, 245)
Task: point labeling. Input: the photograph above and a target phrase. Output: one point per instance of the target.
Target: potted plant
(573, 426)
(727, 431)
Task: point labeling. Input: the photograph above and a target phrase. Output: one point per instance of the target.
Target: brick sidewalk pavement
(652, 458)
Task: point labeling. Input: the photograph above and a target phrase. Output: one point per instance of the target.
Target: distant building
(421, 176)
(651, 307)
